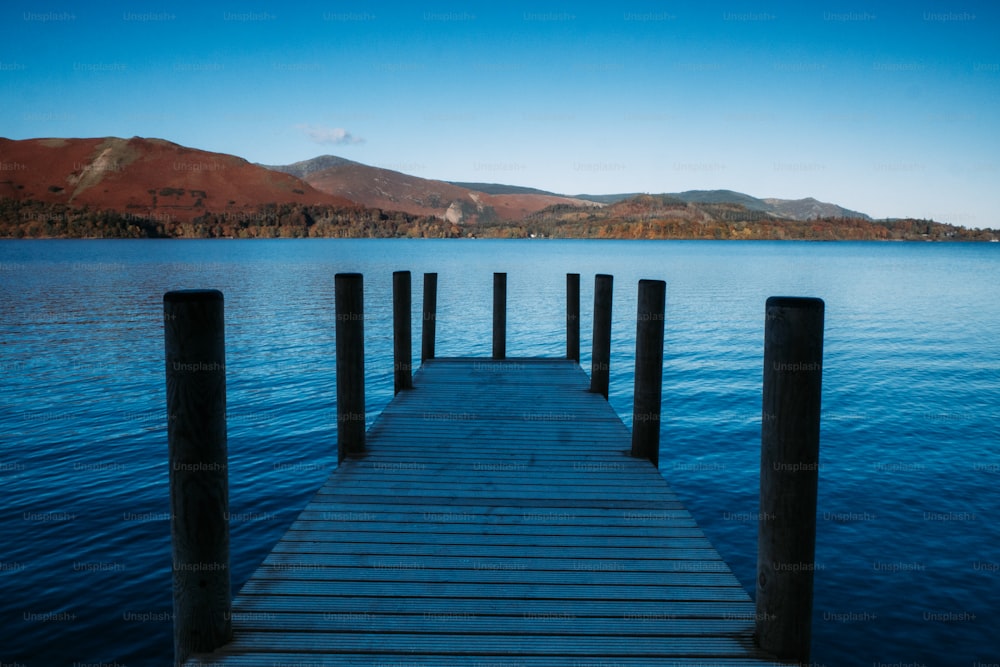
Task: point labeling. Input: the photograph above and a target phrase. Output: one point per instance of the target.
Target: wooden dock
(495, 519)
(498, 513)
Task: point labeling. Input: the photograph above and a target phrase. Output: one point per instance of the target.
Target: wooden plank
(419, 460)
(409, 644)
(321, 561)
(511, 501)
(495, 518)
(488, 514)
(356, 513)
(497, 572)
(642, 610)
(528, 623)
(375, 536)
(500, 490)
(468, 524)
(368, 659)
(701, 550)
(593, 591)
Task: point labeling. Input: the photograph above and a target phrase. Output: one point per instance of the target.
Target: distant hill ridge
(808, 208)
(792, 209)
(304, 168)
(500, 189)
(147, 177)
(413, 194)
(387, 189)
(108, 187)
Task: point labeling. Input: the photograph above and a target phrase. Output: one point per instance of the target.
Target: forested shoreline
(33, 219)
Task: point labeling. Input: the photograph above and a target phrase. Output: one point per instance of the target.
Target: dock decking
(496, 519)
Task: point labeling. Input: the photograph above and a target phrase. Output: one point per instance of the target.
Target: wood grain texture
(789, 474)
(573, 317)
(402, 326)
(428, 327)
(495, 518)
(600, 355)
(499, 315)
(350, 314)
(648, 385)
(195, 347)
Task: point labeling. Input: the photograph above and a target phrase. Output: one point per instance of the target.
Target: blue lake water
(908, 539)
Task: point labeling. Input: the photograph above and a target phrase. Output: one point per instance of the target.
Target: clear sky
(890, 109)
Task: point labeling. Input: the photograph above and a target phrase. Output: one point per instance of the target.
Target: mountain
(133, 188)
(146, 178)
(500, 189)
(790, 209)
(374, 187)
(610, 199)
(466, 202)
(669, 217)
(721, 197)
(304, 168)
(810, 209)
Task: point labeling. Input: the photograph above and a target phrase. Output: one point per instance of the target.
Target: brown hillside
(145, 177)
(391, 190)
(382, 188)
(517, 207)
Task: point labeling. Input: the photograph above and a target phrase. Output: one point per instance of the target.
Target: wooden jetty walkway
(495, 517)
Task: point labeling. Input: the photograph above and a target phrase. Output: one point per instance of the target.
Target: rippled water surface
(908, 544)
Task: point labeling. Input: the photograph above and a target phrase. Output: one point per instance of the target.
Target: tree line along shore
(32, 219)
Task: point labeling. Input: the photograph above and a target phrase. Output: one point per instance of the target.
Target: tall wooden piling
(648, 387)
(402, 341)
(350, 364)
(499, 315)
(195, 345)
(573, 317)
(600, 357)
(789, 471)
(427, 330)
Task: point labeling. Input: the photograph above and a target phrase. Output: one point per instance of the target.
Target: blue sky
(891, 109)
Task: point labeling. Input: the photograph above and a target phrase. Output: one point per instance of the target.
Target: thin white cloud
(329, 135)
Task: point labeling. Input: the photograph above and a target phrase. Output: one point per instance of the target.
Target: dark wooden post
(600, 357)
(350, 364)
(789, 471)
(195, 343)
(573, 316)
(430, 316)
(499, 315)
(648, 386)
(402, 341)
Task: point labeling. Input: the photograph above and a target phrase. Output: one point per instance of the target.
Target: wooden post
(195, 344)
(789, 471)
(573, 316)
(430, 317)
(648, 386)
(600, 357)
(499, 315)
(402, 341)
(350, 364)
